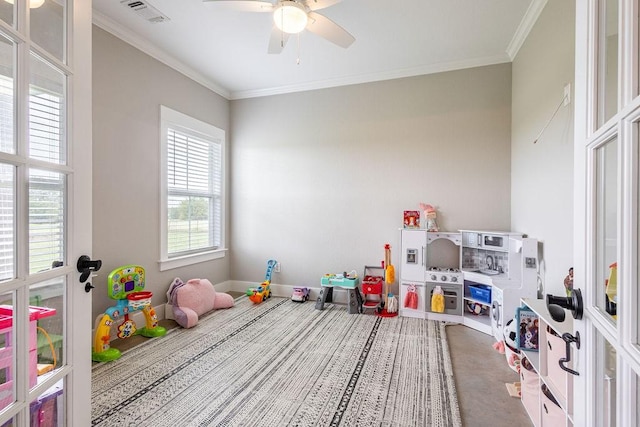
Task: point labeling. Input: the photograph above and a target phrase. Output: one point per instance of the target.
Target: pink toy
(430, 217)
(7, 352)
(192, 299)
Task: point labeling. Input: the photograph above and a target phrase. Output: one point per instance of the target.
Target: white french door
(607, 193)
(45, 211)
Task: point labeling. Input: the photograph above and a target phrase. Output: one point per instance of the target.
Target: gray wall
(128, 89)
(320, 179)
(542, 173)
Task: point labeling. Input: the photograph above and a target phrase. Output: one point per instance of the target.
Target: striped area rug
(282, 363)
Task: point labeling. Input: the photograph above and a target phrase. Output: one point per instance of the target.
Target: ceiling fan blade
(326, 28)
(277, 41)
(320, 4)
(245, 5)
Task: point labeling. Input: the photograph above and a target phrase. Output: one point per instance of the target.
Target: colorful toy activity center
(126, 286)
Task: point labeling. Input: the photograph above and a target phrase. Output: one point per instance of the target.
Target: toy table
(330, 281)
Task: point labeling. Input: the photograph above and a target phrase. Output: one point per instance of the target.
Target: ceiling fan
(292, 17)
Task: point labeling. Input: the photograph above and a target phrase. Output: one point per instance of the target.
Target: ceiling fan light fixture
(290, 17)
(33, 4)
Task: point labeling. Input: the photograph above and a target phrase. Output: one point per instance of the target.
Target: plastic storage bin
(556, 350)
(530, 391)
(480, 293)
(552, 413)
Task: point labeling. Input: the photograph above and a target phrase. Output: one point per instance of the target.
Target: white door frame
(76, 370)
(588, 134)
(80, 224)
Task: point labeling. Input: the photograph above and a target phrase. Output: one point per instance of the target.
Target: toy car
(300, 294)
(261, 293)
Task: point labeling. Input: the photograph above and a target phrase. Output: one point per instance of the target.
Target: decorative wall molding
(527, 23)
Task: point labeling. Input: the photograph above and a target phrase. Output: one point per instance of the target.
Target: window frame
(173, 119)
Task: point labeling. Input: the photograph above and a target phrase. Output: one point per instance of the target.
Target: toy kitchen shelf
(503, 262)
(430, 260)
(547, 390)
(478, 297)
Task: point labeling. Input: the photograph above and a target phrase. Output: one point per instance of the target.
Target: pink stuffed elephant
(192, 299)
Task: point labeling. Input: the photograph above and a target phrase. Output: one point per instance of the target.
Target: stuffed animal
(192, 299)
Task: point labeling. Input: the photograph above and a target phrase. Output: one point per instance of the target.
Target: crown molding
(150, 49)
(522, 32)
(375, 77)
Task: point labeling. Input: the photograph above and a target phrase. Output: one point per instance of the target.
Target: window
(192, 155)
(46, 188)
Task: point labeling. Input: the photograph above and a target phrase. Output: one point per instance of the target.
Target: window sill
(168, 264)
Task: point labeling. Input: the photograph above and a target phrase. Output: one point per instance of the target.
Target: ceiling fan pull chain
(298, 55)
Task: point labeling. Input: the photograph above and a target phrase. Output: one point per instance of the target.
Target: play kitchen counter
(483, 276)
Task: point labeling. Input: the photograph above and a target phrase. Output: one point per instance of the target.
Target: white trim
(169, 117)
(145, 46)
(285, 291)
(153, 51)
(168, 264)
(522, 32)
(374, 77)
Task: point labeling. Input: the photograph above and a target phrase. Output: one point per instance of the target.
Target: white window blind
(194, 186)
(45, 120)
(46, 188)
(7, 178)
(7, 224)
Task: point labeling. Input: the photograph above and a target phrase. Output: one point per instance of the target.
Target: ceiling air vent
(145, 10)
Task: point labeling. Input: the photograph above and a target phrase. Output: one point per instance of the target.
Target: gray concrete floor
(481, 374)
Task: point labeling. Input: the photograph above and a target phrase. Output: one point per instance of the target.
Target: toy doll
(430, 217)
(568, 282)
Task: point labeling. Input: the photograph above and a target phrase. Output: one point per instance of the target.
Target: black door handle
(572, 303)
(568, 339)
(86, 265)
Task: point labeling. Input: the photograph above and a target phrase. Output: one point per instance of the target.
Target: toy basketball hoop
(138, 300)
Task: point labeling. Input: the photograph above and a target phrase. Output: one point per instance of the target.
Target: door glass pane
(605, 382)
(6, 11)
(46, 113)
(7, 96)
(48, 26)
(7, 221)
(606, 227)
(46, 300)
(46, 220)
(608, 61)
(7, 369)
(48, 408)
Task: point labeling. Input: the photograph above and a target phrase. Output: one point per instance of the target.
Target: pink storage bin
(552, 413)
(530, 391)
(33, 368)
(6, 394)
(556, 350)
(6, 353)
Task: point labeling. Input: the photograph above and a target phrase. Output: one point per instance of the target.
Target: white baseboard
(339, 296)
(164, 311)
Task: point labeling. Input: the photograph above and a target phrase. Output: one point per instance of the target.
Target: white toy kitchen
(482, 274)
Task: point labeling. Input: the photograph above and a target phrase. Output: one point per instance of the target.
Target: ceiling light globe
(290, 17)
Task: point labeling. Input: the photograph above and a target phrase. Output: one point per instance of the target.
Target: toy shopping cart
(372, 288)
